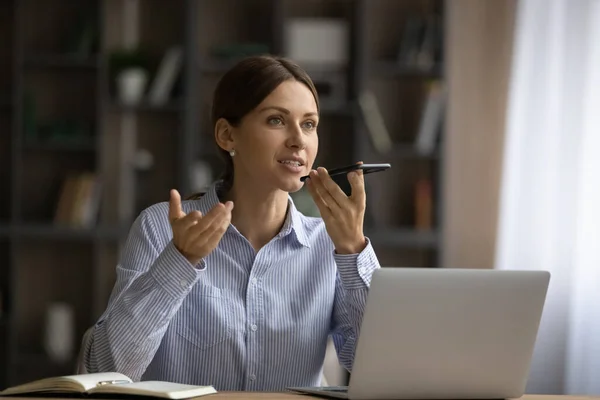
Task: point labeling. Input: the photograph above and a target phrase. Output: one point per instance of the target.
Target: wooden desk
(292, 396)
(557, 397)
(259, 395)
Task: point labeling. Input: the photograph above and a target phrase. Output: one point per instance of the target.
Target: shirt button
(183, 283)
(252, 377)
(254, 281)
(254, 327)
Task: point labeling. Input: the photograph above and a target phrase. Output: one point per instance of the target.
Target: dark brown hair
(245, 86)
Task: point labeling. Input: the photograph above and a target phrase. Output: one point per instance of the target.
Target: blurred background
(486, 109)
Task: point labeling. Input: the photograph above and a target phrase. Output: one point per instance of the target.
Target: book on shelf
(432, 117)
(423, 205)
(79, 201)
(107, 384)
(374, 121)
(166, 77)
(421, 42)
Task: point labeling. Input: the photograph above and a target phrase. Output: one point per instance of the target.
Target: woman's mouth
(292, 165)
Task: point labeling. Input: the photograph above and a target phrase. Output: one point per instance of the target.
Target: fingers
(175, 211)
(328, 195)
(195, 235)
(214, 234)
(177, 217)
(332, 191)
(323, 191)
(328, 190)
(219, 215)
(357, 183)
(318, 198)
(188, 221)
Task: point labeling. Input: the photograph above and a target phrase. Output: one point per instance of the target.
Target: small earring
(232, 153)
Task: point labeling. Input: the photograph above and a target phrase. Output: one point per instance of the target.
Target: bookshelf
(61, 114)
(6, 178)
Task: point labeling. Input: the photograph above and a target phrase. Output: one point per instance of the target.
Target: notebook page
(89, 381)
(169, 390)
(67, 383)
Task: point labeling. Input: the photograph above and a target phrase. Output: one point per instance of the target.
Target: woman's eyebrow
(285, 110)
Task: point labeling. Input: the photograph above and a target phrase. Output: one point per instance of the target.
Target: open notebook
(108, 383)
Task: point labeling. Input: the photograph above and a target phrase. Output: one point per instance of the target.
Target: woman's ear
(223, 135)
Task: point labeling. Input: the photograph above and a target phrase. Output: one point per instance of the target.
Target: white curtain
(550, 189)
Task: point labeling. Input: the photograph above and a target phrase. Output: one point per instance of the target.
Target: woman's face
(277, 142)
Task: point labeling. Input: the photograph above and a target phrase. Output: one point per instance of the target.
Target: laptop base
(334, 392)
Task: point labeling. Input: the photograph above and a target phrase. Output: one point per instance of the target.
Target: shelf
(69, 86)
(405, 237)
(171, 106)
(315, 70)
(408, 151)
(391, 69)
(31, 358)
(5, 100)
(49, 145)
(49, 231)
(4, 230)
(216, 66)
(60, 61)
(33, 366)
(347, 109)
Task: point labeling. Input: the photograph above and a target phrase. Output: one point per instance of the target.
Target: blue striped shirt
(244, 320)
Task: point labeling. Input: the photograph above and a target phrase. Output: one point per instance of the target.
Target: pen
(116, 382)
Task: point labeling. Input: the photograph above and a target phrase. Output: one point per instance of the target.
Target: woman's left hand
(343, 215)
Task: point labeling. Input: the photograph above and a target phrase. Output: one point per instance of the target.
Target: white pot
(59, 332)
(131, 84)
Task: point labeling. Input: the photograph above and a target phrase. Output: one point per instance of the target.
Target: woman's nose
(296, 138)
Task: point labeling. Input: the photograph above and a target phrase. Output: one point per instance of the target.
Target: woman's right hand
(196, 235)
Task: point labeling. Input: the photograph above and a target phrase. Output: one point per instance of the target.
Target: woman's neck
(257, 214)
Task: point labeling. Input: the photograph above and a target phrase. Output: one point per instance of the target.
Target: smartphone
(340, 175)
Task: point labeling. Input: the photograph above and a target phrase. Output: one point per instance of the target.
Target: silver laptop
(445, 334)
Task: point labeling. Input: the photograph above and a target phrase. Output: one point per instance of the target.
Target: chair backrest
(80, 367)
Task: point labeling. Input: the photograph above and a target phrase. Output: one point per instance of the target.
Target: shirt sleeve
(354, 272)
(151, 284)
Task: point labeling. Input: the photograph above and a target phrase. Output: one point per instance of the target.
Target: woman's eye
(309, 125)
(275, 121)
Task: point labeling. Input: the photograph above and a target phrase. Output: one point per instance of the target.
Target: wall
(479, 43)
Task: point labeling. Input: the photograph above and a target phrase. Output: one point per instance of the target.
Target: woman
(237, 289)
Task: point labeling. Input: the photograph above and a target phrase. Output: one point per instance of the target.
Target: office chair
(80, 367)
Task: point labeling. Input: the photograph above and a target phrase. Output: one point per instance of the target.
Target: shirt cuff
(174, 273)
(356, 270)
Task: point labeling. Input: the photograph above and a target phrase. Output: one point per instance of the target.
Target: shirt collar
(294, 223)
